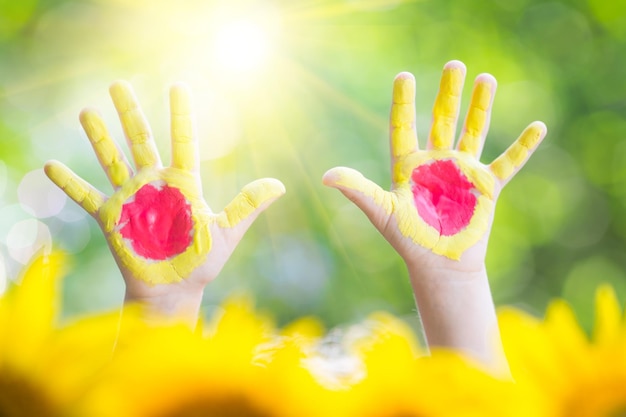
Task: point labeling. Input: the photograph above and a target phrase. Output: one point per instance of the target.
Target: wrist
(457, 311)
(168, 302)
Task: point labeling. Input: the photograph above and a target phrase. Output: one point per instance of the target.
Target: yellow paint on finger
(184, 157)
(107, 152)
(75, 187)
(476, 118)
(251, 197)
(446, 108)
(184, 148)
(403, 138)
(135, 126)
(404, 89)
(504, 166)
(352, 179)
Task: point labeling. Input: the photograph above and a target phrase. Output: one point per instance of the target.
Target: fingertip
(403, 76)
(51, 166)
(335, 176)
(534, 134)
(118, 85)
(404, 88)
(122, 94)
(180, 86)
(541, 126)
(330, 177)
(276, 185)
(86, 116)
(455, 64)
(180, 90)
(264, 189)
(486, 78)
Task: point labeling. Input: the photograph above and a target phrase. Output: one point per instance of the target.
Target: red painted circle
(443, 196)
(158, 222)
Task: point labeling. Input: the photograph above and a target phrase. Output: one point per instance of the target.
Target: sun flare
(242, 46)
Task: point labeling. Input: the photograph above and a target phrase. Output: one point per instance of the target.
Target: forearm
(457, 311)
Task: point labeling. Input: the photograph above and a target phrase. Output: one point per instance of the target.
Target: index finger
(402, 131)
(135, 125)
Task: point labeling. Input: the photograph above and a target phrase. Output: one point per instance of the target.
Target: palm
(157, 224)
(442, 199)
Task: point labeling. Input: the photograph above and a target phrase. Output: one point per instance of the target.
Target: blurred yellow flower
(562, 371)
(400, 380)
(44, 368)
(169, 370)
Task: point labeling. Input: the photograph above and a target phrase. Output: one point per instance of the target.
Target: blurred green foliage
(321, 99)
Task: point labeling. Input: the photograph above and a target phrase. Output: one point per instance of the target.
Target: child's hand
(442, 199)
(440, 209)
(167, 243)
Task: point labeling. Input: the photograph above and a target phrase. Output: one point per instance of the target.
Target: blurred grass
(322, 100)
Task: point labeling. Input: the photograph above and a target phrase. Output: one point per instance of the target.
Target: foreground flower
(27, 314)
(44, 369)
(563, 372)
(399, 380)
(170, 371)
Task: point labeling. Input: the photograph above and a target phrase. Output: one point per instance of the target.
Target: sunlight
(242, 46)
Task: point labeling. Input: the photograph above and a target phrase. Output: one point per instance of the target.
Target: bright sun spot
(242, 46)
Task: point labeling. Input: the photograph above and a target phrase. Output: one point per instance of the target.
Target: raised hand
(442, 199)
(440, 209)
(164, 237)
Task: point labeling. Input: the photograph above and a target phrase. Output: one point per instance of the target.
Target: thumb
(376, 203)
(250, 202)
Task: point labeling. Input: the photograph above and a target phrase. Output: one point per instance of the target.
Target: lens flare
(242, 46)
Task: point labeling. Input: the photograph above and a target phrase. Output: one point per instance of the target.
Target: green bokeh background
(322, 100)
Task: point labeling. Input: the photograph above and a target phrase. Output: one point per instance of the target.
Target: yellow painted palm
(44, 369)
(168, 370)
(563, 372)
(402, 381)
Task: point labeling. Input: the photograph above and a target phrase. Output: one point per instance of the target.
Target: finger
(375, 202)
(402, 131)
(109, 154)
(184, 144)
(446, 109)
(135, 126)
(512, 160)
(478, 115)
(75, 187)
(250, 202)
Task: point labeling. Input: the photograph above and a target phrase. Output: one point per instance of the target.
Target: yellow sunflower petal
(30, 308)
(608, 318)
